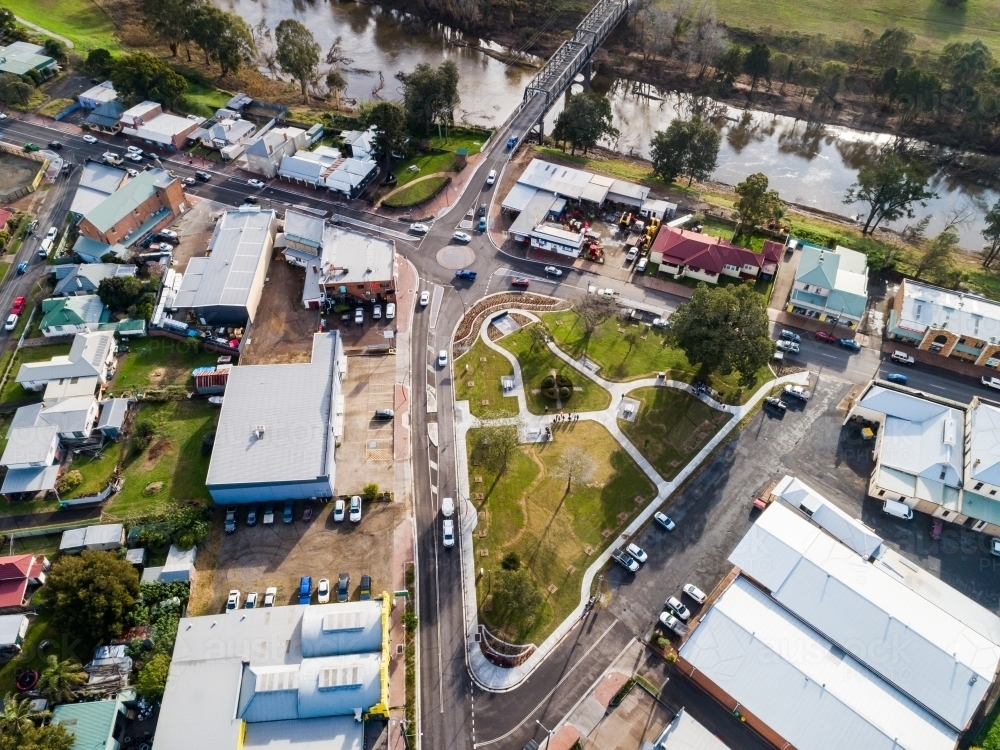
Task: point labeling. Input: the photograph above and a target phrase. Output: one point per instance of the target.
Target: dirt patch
(16, 172)
(155, 453)
(156, 376)
(283, 329)
(194, 230)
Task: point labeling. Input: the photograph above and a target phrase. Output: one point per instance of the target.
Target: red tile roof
(683, 248)
(15, 566)
(14, 574)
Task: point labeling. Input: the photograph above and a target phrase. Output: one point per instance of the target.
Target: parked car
(988, 381)
(481, 226)
(419, 228)
(674, 605)
(22, 267)
(365, 592)
(89, 138)
(203, 176)
(251, 600)
(995, 546)
(637, 552)
(323, 591)
(252, 515)
(288, 513)
(625, 560)
(256, 183)
(632, 254)
(55, 145)
(640, 267)
(466, 274)
(664, 521)
(775, 403)
(896, 377)
(270, 594)
(667, 620)
(134, 150)
(169, 235)
(851, 344)
(134, 157)
(520, 281)
(11, 323)
(448, 532)
(19, 304)
(462, 237)
(902, 358)
(827, 337)
(795, 391)
(384, 414)
(390, 311)
(425, 297)
(338, 510)
(356, 508)
(269, 513)
(111, 158)
(230, 519)
(307, 512)
(233, 601)
(482, 210)
(695, 593)
(132, 172)
(189, 181)
(791, 336)
(359, 316)
(343, 587)
(788, 346)
(661, 323)
(553, 271)
(442, 359)
(937, 528)
(377, 312)
(305, 589)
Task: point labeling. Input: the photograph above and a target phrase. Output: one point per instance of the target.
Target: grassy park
(418, 192)
(83, 22)
(556, 534)
(484, 377)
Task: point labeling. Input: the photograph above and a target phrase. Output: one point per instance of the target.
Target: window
(881, 492)
(993, 492)
(979, 486)
(361, 286)
(730, 267)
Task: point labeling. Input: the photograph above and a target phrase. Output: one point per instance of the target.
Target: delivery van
(898, 509)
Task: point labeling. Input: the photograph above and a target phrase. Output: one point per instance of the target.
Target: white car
(609, 293)
(491, 177)
(168, 234)
(11, 323)
(390, 311)
(449, 533)
(356, 508)
(233, 602)
(359, 316)
(661, 323)
(51, 234)
(637, 552)
(89, 138)
(664, 520)
(675, 604)
(553, 271)
(132, 172)
(419, 228)
(189, 181)
(251, 600)
(695, 593)
(256, 183)
(134, 150)
(425, 297)
(442, 358)
(462, 237)
(132, 156)
(270, 594)
(787, 346)
(323, 591)
(377, 312)
(111, 158)
(338, 511)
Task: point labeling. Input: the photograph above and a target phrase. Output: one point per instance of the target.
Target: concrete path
(499, 679)
(40, 30)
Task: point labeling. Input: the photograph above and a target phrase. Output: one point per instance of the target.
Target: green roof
(127, 198)
(20, 57)
(73, 311)
(90, 723)
(818, 266)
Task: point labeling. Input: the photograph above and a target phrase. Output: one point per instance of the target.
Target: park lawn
(417, 192)
(157, 362)
(459, 138)
(427, 164)
(671, 427)
(203, 100)
(14, 391)
(537, 362)
(173, 457)
(469, 368)
(626, 356)
(83, 22)
(96, 470)
(528, 512)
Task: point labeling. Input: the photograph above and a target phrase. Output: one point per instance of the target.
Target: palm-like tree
(17, 714)
(61, 679)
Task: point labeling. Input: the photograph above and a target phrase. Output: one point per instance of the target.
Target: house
(179, 566)
(139, 208)
(830, 285)
(818, 647)
(685, 733)
(947, 323)
(113, 412)
(573, 184)
(325, 167)
(91, 355)
(106, 536)
(77, 280)
(21, 57)
(20, 576)
(684, 254)
(64, 316)
(98, 182)
(303, 676)
(107, 118)
(340, 263)
(228, 136)
(13, 629)
(360, 144)
(74, 417)
(264, 152)
(225, 287)
(100, 94)
(657, 209)
(277, 433)
(148, 122)
(936, 455)
(95, 725)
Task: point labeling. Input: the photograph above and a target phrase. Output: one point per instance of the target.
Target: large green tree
(430, 95)
(584, 121)
(516, 598)
(756, 204)
(298, 54)
(991, 233)
(153, 677)
(31, 737)
(224, 38)
(937, 254)
(687, 147)
(172, 21)
(890, 186)
(119, 293)
(14, 89)
(389, 121)
(722, 329)
(90, 595)
(757, 65)
(140, 75)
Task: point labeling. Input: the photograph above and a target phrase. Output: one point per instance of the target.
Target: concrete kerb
(500, 679)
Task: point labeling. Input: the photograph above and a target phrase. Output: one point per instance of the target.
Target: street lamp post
(549, 732)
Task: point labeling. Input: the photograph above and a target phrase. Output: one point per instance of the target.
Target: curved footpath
(499, 679)
(35, 27)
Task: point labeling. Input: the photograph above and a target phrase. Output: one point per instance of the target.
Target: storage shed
(105, 536)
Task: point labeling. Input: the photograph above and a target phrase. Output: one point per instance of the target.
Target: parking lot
(278, 554)
(366, 450)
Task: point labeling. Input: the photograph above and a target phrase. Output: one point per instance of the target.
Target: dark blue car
(466, 274)
(305, 589)
(851, 344)
(895, 377)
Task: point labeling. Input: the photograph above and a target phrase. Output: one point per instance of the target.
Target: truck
(670, 622)
(625, 560)
(990, 382)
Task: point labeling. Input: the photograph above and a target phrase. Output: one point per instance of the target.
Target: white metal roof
(520, 196)
(685, 733)
(909, 640)
(10, 628)
(895, 404)
(848, 530)
(350, 628)
(984, 449)
(329, 733)
(799, 684)
(926, 306)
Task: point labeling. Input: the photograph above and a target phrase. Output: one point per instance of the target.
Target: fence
(32, 186)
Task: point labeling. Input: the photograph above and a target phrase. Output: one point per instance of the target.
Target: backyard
(671, 427)
(31, 657)
(555, 534)
(14, 392)
(96, 470)
(157, 362)
(483, 368)
(538, 363)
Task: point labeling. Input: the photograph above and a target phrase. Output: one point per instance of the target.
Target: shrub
(410, 621)
(548, 382)
(69, 482)
(145, 430)
(370, 491)
(510, 561)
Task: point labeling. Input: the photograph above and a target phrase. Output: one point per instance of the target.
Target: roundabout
(455, 257)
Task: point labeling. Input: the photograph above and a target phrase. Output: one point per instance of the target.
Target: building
(264, 152)
(830, 285)
(325, 167)
(92, 355)
(360, 144)
(946, 323)
(13, 629)
(573, 184)
(276, 438)
(77, 280)
(148, 122)
(936, 455)
(657, 209)
(65, 316)
(74, 418)
(179, 566)
(228, 136)
(100, 94)
(113, 412)
(95, 725)
(107, 118)
(98, 182)
(139, 208)
(817, 646)
(681, 253)
(20, 58)
(302, 675)
(224, 288)
(685, 733)
(20, 576)
(340, 264)
(106, 536)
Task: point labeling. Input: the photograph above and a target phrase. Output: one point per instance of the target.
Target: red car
(518, 281)
(827, 337)
(19, 304)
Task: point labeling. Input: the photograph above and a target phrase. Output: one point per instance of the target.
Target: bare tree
(497, 443)
(575, 465)
(594, 309)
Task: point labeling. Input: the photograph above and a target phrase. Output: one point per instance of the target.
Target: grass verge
(485, 378)
(418, 192)
(439, 161)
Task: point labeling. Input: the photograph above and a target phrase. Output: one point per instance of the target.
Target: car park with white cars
(695, 593)
(637, 552)
(788, 346)
(233, 600)
(355, 513)
(256, 183)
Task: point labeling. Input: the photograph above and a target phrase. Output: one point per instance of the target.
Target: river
(808, 163)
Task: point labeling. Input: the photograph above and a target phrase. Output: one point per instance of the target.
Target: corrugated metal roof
(352, 627)
(303, 228)
(984, 450)
(90, 723)
(28, 445)
(828, 516)
(127, 198)
(330, 733)
(684, 733)
(30, 480)
(113, 413)
(520, 196)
